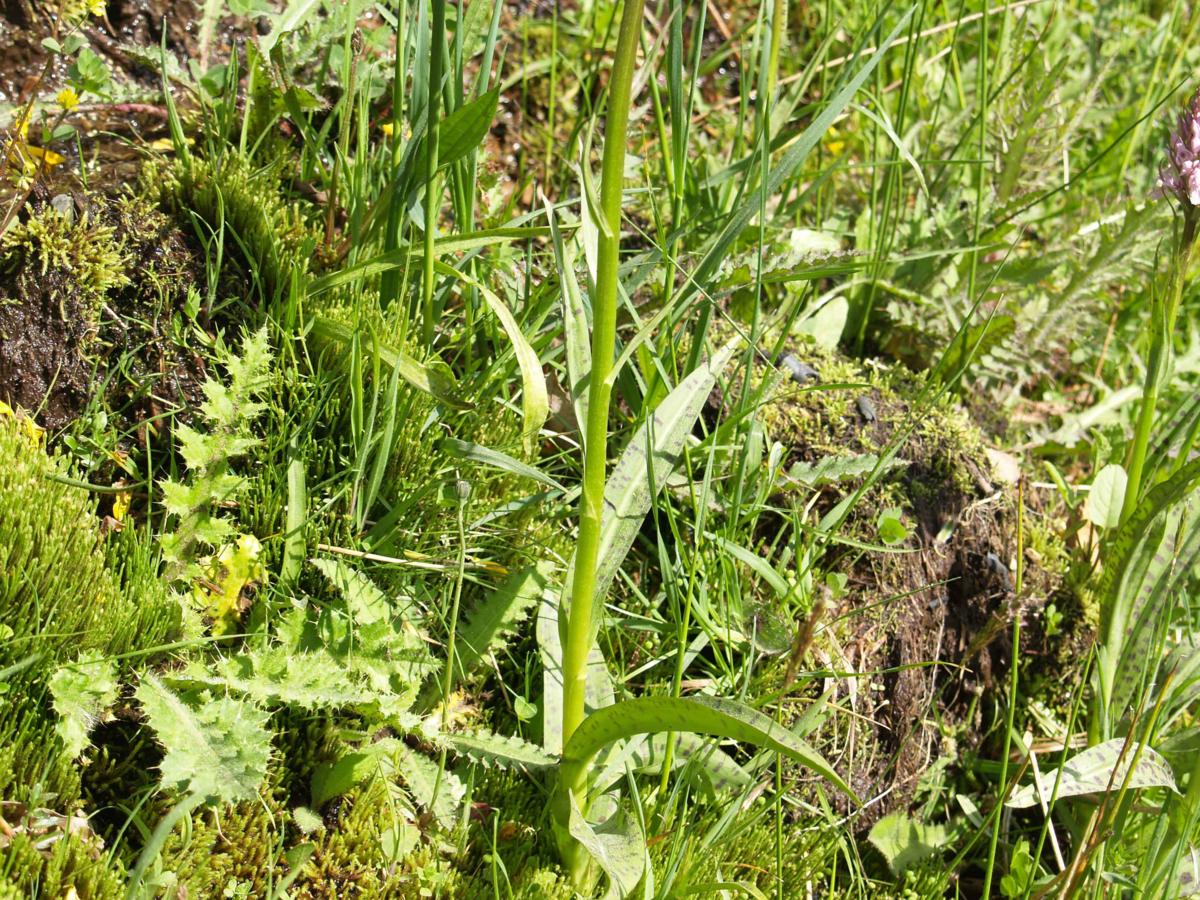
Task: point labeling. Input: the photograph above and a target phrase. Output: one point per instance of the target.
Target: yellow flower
(96, 7)
(387, 128)
(67, 98)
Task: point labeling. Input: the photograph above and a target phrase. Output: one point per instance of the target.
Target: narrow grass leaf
(497, 460)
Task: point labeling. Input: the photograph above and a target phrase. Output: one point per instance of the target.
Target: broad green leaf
(430, 379)
(617, 845)
(465, 128)
(81, 692)
(648, 461)
(215, 749)
(535, 401)
(331, 780)
(497, 460)
(1095, 771)
(1103, 505)
(825, 325)
(700, 715)
(904, 841)
(892, 530)
(490, 749)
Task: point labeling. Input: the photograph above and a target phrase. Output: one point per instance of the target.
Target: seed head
(1180, 174)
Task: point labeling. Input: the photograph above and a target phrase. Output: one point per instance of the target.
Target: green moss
(232, 195)
(68, 863)
(79, 257)
(59, 597)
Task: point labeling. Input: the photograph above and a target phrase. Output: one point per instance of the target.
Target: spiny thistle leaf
(443, 797)
(82, 691)
(305, 680)
(365, 602)
(497, 617)
(491, 749)
(215, 749)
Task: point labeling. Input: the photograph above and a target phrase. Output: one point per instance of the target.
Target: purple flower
(1180, 174)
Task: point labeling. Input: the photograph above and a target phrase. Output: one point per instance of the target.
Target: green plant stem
(1162, 320)
(158, 837)
(451, 649)
(437, 32)
(580, 631)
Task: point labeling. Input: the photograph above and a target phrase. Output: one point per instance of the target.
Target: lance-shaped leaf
(535, 400)
(215, 749)
(432, 379)
(643, 469)
(1096, 771)
(700, 715)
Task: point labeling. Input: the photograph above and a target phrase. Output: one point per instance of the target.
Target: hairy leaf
(82, 691)
(491, 749)
(215, 749)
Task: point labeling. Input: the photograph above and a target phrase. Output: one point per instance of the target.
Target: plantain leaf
(81, 692)
(217, 750)
(700, 715)
(1103, 504)
(465, 128)
(1095, 771)
(491, 749)
(832, 469)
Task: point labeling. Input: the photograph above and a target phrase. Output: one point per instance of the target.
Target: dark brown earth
(56, 354)
(928, 631)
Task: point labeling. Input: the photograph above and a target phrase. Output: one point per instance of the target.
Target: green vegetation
(625, 448)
